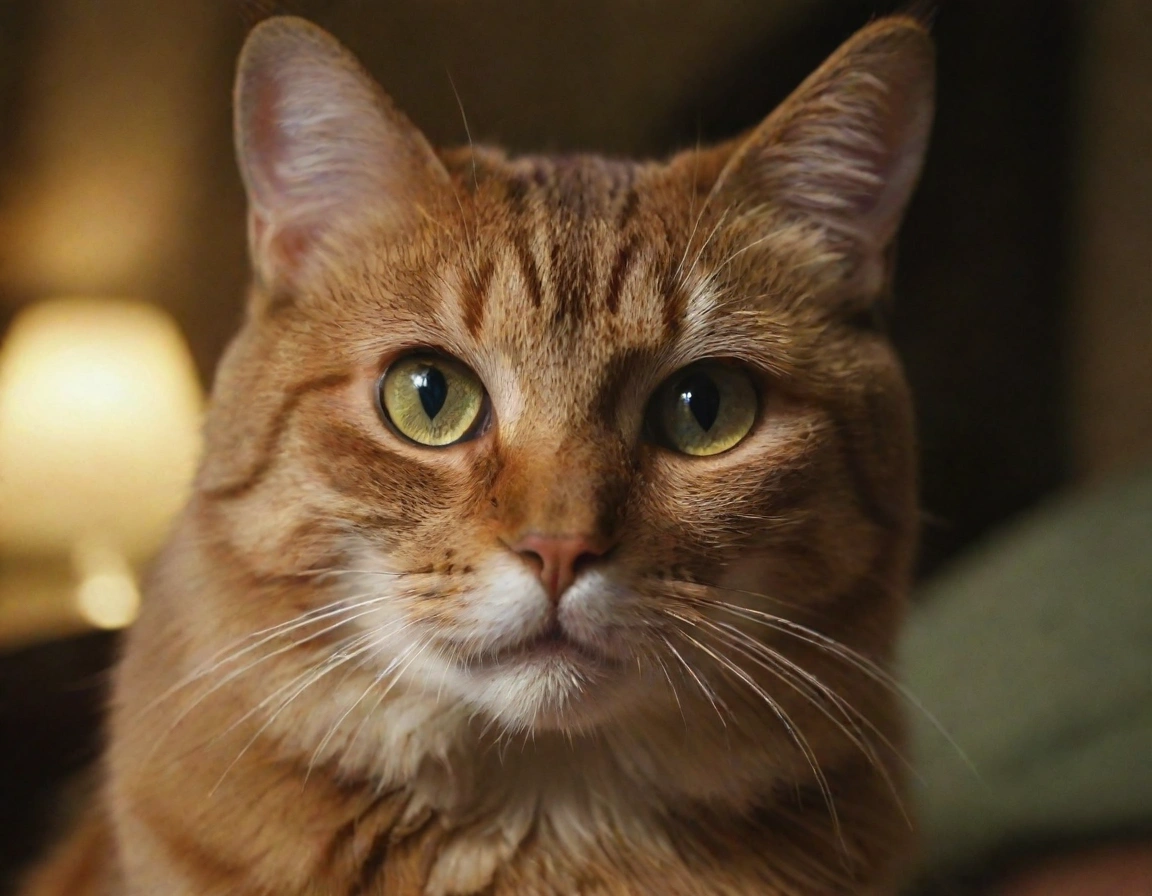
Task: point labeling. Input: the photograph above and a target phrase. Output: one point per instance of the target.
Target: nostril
(586, 559)
(558, 559)
(533, 557)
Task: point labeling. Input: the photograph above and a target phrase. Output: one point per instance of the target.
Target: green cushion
(1035, 654)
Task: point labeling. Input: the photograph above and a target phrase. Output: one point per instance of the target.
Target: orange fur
(735, 732)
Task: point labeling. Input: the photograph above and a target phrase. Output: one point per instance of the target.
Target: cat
(555, 519)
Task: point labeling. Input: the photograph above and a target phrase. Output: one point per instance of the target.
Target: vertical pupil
(432, 388)
(699, 392)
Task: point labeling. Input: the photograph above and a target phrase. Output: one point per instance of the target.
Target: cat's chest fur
(428, 801)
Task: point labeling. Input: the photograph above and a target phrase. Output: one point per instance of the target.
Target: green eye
(432, 400)
(705, 409)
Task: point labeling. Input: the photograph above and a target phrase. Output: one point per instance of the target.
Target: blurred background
(1024, 295)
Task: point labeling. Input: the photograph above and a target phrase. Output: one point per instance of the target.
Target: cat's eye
(704, 409)
(432, 400)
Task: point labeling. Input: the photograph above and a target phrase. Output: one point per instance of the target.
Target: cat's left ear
(320, 145)
(843, 153)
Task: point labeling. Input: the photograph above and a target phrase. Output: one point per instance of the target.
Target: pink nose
(558, 558)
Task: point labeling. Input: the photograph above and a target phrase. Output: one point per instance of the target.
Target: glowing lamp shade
(99, 428)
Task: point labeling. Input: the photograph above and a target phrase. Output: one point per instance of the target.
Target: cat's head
(563, 439)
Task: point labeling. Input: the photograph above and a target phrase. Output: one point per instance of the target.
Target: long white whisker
(223, 657)
(395, 669)
(376, 643)
(314, 675)
(708, 692)
(236, 673)
(341, 653)
(800, 741)
(848, 655)
(672, 686)
(703, 246)
(788, 672)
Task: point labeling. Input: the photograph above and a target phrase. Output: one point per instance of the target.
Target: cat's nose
(558, 559)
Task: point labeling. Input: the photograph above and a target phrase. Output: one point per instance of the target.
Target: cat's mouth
(551, 645)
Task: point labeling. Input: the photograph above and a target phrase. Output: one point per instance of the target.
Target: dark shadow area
(51, 703)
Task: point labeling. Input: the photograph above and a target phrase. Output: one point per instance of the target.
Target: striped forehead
(571, 252)
(569, 285)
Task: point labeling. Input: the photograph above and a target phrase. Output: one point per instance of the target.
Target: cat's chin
(551, 646)
(550, 687)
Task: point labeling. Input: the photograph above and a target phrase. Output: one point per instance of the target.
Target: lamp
(99, 432)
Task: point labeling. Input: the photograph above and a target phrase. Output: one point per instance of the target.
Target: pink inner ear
(285, 248)
(904, 137)
(319, 144)
(845, 149)
(262, 144)
(281, 246)
(864, 156)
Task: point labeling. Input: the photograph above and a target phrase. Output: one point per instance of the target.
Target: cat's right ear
(320, 146)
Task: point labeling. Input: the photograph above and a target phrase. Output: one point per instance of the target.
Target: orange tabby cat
(555, 521)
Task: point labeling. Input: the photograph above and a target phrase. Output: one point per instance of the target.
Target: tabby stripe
(358, 465)
(871, 504)
(571, 276)
(377, 520)
(278, 302)
(343, 840)
(569, 190)
(528, 268)
(373, 863)
(226, 555)
(628, 207)
(675, 304)
(672, 287)
(292, 398)
(201, 865)
(339, 845)
(475, 296)
(620, 267)
(516, 192)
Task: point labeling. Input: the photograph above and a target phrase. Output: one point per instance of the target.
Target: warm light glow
(107, 595)
(99, 420)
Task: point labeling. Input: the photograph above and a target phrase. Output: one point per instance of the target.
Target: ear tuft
(319, 143)
(844, 151)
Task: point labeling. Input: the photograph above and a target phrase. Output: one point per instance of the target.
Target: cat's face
(567, 432)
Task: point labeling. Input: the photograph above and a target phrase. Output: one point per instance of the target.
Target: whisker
(672, 686)
(701, 590)
(703, 246)
(797, 737)
(222, 656)
(467, 130)
(771, 661)
(708, 692)
(692, 213)
(351, 643)
(470, 236)
(375, 680)
(313, 675)
(413, 651)
(236, 673)
(836, 648)
(345, 570)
